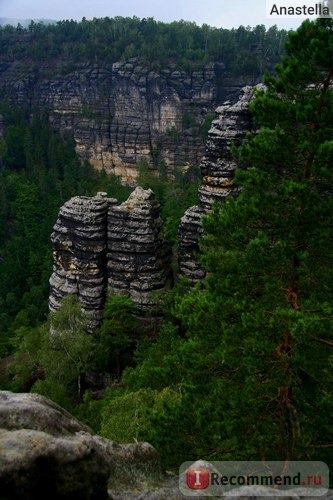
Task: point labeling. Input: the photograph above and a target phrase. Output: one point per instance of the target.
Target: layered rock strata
(217, 177)
(138, 259)
(190, 231)
(79, 242)
(123, 112)
(101, 246)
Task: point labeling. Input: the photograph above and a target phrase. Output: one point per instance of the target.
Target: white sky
(219, 13)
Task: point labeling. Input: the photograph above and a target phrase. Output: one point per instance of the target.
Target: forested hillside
(39, 168)
(182, 44)
(239, 366)
(130, 89)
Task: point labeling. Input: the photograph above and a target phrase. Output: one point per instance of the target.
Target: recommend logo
(301, 9)
(197, 478)
(254, 478)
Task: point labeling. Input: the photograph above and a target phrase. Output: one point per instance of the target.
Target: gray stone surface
(123, 112)
(47, 453)
(217, 166)
(190, 230)
(138, 259)
(100, 246)
(79, 257)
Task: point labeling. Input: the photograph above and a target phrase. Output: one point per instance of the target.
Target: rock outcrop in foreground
(217, 170)
(100, 246)
(46, 453)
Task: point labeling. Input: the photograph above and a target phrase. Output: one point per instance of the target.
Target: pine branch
(323, 341)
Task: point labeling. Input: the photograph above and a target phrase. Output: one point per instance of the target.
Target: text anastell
(300, 10)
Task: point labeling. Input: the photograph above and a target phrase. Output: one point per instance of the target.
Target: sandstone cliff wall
(125, 112)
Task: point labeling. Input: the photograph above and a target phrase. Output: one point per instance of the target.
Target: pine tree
(268, 297)
(67, 349)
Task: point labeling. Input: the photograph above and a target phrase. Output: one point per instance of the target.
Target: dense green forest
(183, 44)
(241, 366)
(40, 171)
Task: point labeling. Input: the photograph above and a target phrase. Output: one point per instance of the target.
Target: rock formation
(47, 453)
(138, 259)
(190, 230)
(79, 241)
(122, 113)
(101, 246)
(217, 172)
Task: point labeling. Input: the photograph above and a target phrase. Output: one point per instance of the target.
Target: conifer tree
(268, 298)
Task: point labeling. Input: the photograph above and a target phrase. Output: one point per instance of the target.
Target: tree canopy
(244, 50)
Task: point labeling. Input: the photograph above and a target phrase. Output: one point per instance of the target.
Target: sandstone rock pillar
(138, 259)
(217, 174)
(79, 242)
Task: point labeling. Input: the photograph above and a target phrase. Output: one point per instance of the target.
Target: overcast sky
(220, 13)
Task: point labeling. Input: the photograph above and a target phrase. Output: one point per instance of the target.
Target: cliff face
(217, 170)
(122, 113)
(101, 246)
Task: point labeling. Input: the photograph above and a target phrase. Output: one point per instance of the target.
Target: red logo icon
(197, 478)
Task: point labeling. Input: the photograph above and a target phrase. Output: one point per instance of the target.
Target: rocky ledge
(46, 453)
